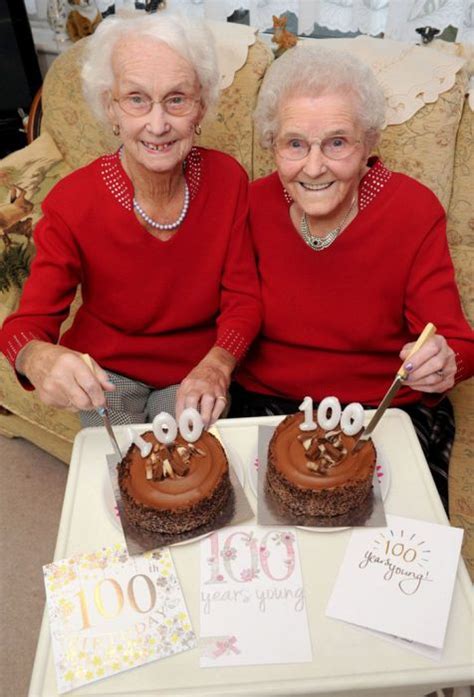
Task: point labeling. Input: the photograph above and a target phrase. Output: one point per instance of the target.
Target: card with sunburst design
(399, 580)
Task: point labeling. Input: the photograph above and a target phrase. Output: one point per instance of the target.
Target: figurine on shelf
(56, 13)
(83, 19)
(427, 33)
(282, 37)
(154, 5)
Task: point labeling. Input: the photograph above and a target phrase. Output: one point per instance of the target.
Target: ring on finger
(224, 399)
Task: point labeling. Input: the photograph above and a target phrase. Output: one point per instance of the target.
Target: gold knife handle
(88, 361)
(426, 334)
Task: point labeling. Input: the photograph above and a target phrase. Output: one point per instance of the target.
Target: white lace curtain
(397, 19)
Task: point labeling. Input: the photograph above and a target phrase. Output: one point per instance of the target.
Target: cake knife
(400, 378)
(103, 411)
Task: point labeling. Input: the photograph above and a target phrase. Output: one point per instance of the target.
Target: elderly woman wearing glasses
(352, 257)
(156, 236)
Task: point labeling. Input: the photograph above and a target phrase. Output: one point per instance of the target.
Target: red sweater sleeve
(240, 316)
(49, 290)
(432, 292)
(89, 235)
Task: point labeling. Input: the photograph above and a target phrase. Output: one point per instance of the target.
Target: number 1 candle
(306, 406)
(141, 443)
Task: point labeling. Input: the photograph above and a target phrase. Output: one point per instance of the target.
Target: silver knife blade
(380, 411)
(400, 378)
(108, 426)
(102, 411)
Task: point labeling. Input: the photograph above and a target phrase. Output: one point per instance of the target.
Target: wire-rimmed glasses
(334, 147)
(140, 104)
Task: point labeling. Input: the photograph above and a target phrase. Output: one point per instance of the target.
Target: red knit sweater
(151, 309)
(336, 320)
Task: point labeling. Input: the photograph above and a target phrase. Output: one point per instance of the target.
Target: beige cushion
(78, 135)
(424, 146)
(35, 169)
(461, 241)
(231, 127)
(25, 403)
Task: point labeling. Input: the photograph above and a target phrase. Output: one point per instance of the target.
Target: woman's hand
(205, 387)
(432, 368)
(62, 378)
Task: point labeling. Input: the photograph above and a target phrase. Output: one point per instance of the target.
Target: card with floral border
(109, 612)
(399, 580)
(252, 603)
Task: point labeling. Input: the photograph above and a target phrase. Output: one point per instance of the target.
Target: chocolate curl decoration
(323, 452)
(170, 460)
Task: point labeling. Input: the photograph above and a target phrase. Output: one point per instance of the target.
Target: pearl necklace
(164, 226)
(320, 243)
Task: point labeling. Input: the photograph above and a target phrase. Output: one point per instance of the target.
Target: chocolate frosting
(206, 466)
(290, 457)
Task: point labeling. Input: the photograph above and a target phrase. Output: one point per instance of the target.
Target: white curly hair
(190, 38)
(305, 71)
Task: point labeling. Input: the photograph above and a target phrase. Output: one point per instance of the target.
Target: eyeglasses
(138, 104)
(333, 147)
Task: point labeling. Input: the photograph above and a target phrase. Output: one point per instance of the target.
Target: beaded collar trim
(370, 186)
(120, 186)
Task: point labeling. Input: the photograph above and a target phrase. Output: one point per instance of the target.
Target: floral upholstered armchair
(429, 136)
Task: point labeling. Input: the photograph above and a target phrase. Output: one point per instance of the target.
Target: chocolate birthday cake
(177, 487)
(315, 473)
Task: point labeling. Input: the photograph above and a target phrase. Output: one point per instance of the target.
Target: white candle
(190, 424)
(165, 428)
(329, 413)
(352, 419)
(141, 443)
(306, 406)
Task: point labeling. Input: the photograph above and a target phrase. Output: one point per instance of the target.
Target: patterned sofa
(435, 146)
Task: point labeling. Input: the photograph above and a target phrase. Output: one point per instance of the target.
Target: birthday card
(109, 612)
(252, 604)
(399, 580)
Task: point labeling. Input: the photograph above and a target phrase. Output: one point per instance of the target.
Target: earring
(197, 129)
(116, 129)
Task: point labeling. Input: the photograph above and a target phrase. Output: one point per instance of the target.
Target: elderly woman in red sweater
(353, 259)
(156, 236)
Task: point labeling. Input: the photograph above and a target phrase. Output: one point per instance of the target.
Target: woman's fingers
(219, 406)
(62, 378)
(212, 406)
(206, 407)
(101, 382)
(432, 368)
(203, 397)
(209, 405)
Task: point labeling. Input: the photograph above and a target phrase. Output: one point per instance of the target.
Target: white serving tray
(347, 661)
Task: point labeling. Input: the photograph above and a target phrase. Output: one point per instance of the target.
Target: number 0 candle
(190, 424)
(165, 428)
(329, 413)
(352, 418)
